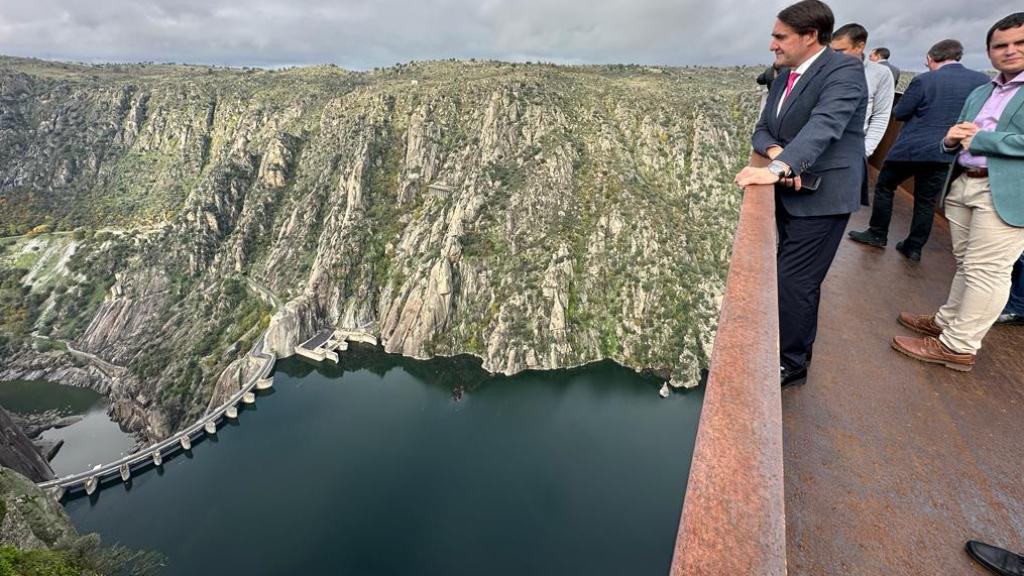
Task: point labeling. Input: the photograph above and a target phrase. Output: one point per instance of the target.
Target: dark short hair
(1012, 21)
(807, 16)
(948, 49)
(855, 32)
(883, 53)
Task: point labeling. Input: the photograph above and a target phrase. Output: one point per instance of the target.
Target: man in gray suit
(812, 127)
(881, 56)
(850, 39)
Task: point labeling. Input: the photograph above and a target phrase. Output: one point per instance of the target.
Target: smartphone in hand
(809, 181)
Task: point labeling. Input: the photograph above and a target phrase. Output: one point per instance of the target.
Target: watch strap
(779, 169)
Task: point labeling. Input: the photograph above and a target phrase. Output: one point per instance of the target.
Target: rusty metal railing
(733, 518)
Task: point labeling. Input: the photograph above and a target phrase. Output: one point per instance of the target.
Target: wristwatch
(779, 169)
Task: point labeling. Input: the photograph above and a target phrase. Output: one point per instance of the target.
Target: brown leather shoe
(921, 323)
(931, 350)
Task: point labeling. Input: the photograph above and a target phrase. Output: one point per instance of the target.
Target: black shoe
(1010, 319)
(912, 254)
(997, 560)
(867, 237)
(791, 375)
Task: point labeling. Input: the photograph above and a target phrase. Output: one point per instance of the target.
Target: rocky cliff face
(18, 453)
(38, 537)
(32, 519)
(531, 215)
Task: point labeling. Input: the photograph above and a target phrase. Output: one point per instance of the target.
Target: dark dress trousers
(931, 104)
(821, 130)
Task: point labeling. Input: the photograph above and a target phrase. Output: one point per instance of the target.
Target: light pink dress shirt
(988, 117)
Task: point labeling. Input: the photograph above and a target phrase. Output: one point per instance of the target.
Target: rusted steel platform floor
(892, 464)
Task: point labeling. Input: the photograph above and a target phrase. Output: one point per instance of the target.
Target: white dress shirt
(801, 69)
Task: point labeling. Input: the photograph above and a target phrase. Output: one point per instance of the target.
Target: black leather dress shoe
(867, 237)
(999, 561)
(1010, 319)
(792, 375)
(912, 254)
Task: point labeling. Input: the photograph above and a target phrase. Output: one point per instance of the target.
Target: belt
(976, 172)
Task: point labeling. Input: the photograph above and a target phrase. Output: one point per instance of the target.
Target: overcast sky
(362, 34)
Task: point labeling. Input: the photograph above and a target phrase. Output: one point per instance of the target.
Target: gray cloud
(367, 33)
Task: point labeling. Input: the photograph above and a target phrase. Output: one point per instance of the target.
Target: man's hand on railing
(751, 176)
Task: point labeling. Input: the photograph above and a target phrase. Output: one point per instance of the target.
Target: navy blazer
(821, 131)
(932, 104)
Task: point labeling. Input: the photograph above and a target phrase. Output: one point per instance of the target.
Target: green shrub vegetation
(604, 188)
(83, 556)
(14, 562)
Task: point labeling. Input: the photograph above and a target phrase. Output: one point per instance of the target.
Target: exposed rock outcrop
(18, 453)
(534, 216)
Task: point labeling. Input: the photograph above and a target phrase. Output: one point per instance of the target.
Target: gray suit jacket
(892, 68)
(821, 131)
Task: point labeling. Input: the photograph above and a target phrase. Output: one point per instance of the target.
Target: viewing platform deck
(876, 465)
(891, 464)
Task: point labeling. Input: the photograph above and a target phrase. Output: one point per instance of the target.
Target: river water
(387, 466)
(95, 439)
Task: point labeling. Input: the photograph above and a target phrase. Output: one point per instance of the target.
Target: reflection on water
(94, 439)
(389, 466)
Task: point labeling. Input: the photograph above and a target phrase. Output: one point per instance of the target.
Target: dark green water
(36, 396)
(94, 439)
(397, 467)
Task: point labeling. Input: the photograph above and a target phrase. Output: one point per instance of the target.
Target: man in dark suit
(881, 55)
(812, 127)
(929, 107)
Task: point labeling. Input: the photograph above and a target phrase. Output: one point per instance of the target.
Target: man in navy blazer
(812, 127)
(929, 107)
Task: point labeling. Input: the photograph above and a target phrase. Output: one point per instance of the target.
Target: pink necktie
(789, 85)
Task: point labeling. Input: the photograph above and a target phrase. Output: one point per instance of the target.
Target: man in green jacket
(984, 206)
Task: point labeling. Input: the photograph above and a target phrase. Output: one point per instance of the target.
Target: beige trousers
(985, 248)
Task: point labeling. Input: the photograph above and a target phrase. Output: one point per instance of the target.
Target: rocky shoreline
(129, 412)
(134, 415)
(60, 367)
(535, 217)
(35, 424)
(65, 369)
